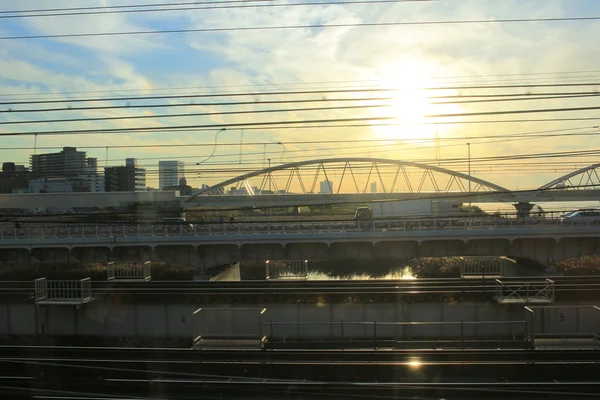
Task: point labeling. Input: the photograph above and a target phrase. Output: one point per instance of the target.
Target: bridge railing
(284, 227)
(525, 292)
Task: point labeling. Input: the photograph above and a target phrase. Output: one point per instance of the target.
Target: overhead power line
(262, 124)
(322, 100)
(281, 110)
(315, 92)
(321, 84)
(306, 26)
(128, 117)
(209, 5)
(126, 6)
(225, 103)
(203, 95)
(587, 130)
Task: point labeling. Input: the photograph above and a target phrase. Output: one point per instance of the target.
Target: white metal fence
(286, 269)
(129, 271)
(482, 268)
(63, 291)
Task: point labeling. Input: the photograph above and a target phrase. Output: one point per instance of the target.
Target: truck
(421, 208)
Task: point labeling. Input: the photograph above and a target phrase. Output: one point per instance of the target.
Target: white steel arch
(584, 178)
(389, 174)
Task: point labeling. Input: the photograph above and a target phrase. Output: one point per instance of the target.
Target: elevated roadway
(217, 244)
(121, 199)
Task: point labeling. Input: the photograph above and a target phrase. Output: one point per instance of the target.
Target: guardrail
(248, 228)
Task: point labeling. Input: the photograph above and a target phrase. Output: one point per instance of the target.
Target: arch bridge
(349, 180)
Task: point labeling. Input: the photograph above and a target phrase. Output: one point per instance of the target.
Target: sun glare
(409, 104)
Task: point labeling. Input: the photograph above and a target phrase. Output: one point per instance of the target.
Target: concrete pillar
(523, 209)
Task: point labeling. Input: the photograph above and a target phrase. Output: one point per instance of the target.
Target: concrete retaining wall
(101, 318)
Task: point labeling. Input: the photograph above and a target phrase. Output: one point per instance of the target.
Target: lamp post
(270, 177)
(282, 152)
(241, 143)
(214, 146)
(265, 152)
(469, 168)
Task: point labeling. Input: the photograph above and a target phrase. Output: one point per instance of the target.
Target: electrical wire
(305, 26)
(541, 133)
(216, 5)
(127, 6)
(302, 92)
(262, 124)
(202, 114)
(320, 84)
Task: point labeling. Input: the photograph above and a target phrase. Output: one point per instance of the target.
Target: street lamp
(241, 143)
(265, 151)
(469, 167)
(214, 147)
(283, 152)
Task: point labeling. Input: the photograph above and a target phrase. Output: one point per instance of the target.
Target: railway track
(341, 287)
(187, 374)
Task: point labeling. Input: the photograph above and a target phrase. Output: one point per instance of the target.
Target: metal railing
(261, 228)
(63, 291)
(286, 269)
(524, 292)
(538, 323)
(482, 269)
(129, 272)
(378, 331)
(211, 324)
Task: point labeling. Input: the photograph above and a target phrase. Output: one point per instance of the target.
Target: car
(582, 217)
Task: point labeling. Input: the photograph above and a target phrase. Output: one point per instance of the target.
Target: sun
(409, 104)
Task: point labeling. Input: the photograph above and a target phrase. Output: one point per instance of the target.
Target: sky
(404, 59)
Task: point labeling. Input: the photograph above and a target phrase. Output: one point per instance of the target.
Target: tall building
(373, 187)
(128, 178)
(13, 178)
(169, 173)
(326, 186)
(69, 162)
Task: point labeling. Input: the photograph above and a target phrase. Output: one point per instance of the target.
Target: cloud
(310, 58)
